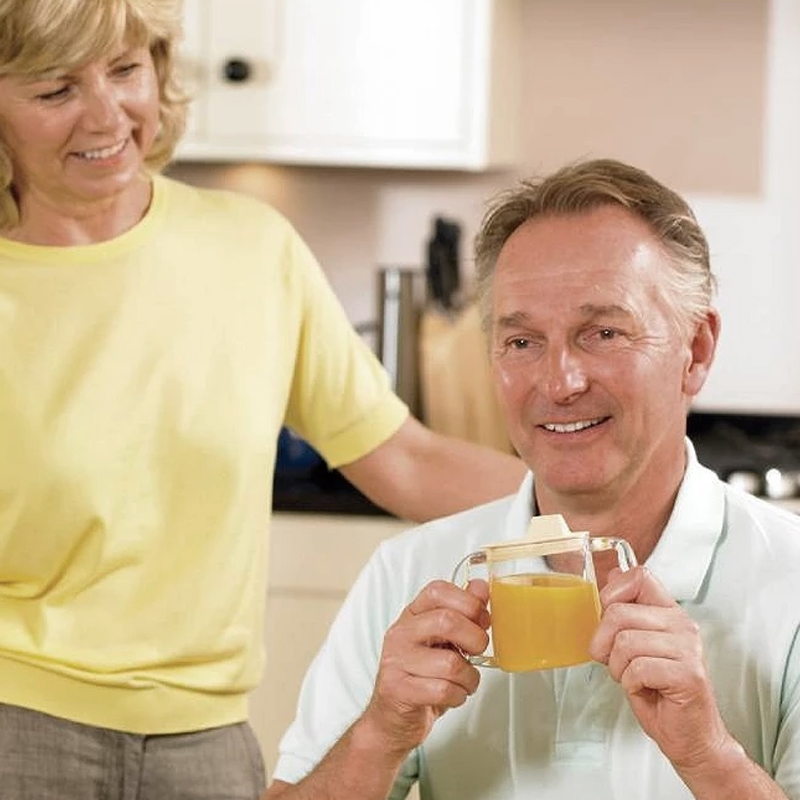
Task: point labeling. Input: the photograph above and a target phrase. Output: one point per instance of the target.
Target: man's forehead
(577, 248)
(526, 317)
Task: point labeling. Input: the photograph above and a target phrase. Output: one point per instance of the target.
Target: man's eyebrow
(520, 319)
(605, 310)
(516, 319)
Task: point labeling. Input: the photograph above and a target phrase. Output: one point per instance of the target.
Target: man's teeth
(105, 152)
(571, 427)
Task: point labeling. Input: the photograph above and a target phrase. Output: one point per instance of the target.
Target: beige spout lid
(548, 527)
(543, 532)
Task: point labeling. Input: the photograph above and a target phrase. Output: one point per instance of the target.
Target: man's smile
(573, 427)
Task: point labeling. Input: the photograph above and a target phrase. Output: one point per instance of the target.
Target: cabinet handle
(237, 70)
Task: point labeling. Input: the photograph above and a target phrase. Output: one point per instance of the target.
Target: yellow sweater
(143, 382)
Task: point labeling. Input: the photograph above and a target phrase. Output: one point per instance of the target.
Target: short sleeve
(787, 747)
(341, 399)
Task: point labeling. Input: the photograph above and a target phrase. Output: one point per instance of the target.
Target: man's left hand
(653, 649)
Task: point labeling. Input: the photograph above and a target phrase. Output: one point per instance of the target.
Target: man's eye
(519, 343)
(602, 335)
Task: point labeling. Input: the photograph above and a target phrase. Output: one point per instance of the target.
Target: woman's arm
(419, 475)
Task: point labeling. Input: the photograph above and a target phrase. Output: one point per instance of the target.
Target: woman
(153, 340)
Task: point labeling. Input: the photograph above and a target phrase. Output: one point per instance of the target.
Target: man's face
(588, 362)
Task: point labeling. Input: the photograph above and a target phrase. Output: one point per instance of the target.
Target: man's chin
(572, 484)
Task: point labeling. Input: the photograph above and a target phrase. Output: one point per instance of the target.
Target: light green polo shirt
(732, 561)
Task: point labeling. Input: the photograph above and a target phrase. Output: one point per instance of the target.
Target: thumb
(479, 588)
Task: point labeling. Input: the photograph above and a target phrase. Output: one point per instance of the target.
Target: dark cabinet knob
(237, 70)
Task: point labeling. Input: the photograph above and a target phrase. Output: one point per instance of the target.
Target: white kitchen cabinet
(396, 83)
(313, 562)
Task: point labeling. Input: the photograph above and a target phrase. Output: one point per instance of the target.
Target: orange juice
(541, 621)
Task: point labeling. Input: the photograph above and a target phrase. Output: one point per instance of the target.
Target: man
(596, 290)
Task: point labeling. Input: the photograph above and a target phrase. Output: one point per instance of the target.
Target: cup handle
(461, 577)
(626, 558)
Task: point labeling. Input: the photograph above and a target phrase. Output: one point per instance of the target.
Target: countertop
(321, 492)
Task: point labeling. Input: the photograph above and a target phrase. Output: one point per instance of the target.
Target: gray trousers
(46, 758)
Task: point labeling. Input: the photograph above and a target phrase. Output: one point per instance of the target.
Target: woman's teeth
(570, 427)
(105, 152)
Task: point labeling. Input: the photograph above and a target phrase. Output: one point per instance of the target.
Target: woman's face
(80, 136)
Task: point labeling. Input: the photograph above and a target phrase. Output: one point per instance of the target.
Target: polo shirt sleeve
(787, 746)
(340, 399)
(340, 680)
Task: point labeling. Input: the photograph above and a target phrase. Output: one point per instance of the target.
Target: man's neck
(638, 514)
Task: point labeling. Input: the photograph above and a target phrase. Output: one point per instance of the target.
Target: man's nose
(565, 374)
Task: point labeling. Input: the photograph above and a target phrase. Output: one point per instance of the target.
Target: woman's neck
(45, 223)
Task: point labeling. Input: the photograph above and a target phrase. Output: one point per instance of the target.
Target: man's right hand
(423, 670)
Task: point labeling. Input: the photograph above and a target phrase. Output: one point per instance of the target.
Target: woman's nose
(103, 110)
(565, 375)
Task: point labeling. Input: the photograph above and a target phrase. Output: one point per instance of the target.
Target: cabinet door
(314, 560)
(375, 81)
(242, 67)
(352, 82)
(192, 66)
(228, 60)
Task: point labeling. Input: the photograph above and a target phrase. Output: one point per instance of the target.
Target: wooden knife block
(456, 388)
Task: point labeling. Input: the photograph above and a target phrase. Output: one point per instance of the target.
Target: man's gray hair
(584, 186)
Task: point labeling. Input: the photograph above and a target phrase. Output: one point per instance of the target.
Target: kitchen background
(363, 122)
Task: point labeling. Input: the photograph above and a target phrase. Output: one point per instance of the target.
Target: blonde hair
(41, 35)
(584, 186)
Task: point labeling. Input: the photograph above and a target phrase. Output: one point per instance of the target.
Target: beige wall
(674, 86)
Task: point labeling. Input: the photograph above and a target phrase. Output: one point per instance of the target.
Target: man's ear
(703, 346)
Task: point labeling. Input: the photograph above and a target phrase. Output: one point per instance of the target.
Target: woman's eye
(56, 94)
(126, 69)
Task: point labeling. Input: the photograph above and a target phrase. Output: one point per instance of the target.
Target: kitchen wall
(676, 87)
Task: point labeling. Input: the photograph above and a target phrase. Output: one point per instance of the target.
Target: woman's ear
(702, 348)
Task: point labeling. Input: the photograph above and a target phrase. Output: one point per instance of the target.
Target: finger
(622, 617)
(480, 589)
(436, 663)
(632, 644)
(437, 627)
(443, 594)
(636, 585)
(674, 679)
(423, 692)
(398, 668)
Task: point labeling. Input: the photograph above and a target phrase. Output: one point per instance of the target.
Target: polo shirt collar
(684, 552)
(686, 548)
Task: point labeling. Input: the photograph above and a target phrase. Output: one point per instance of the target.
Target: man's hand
(423, 671)
(653, 649)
